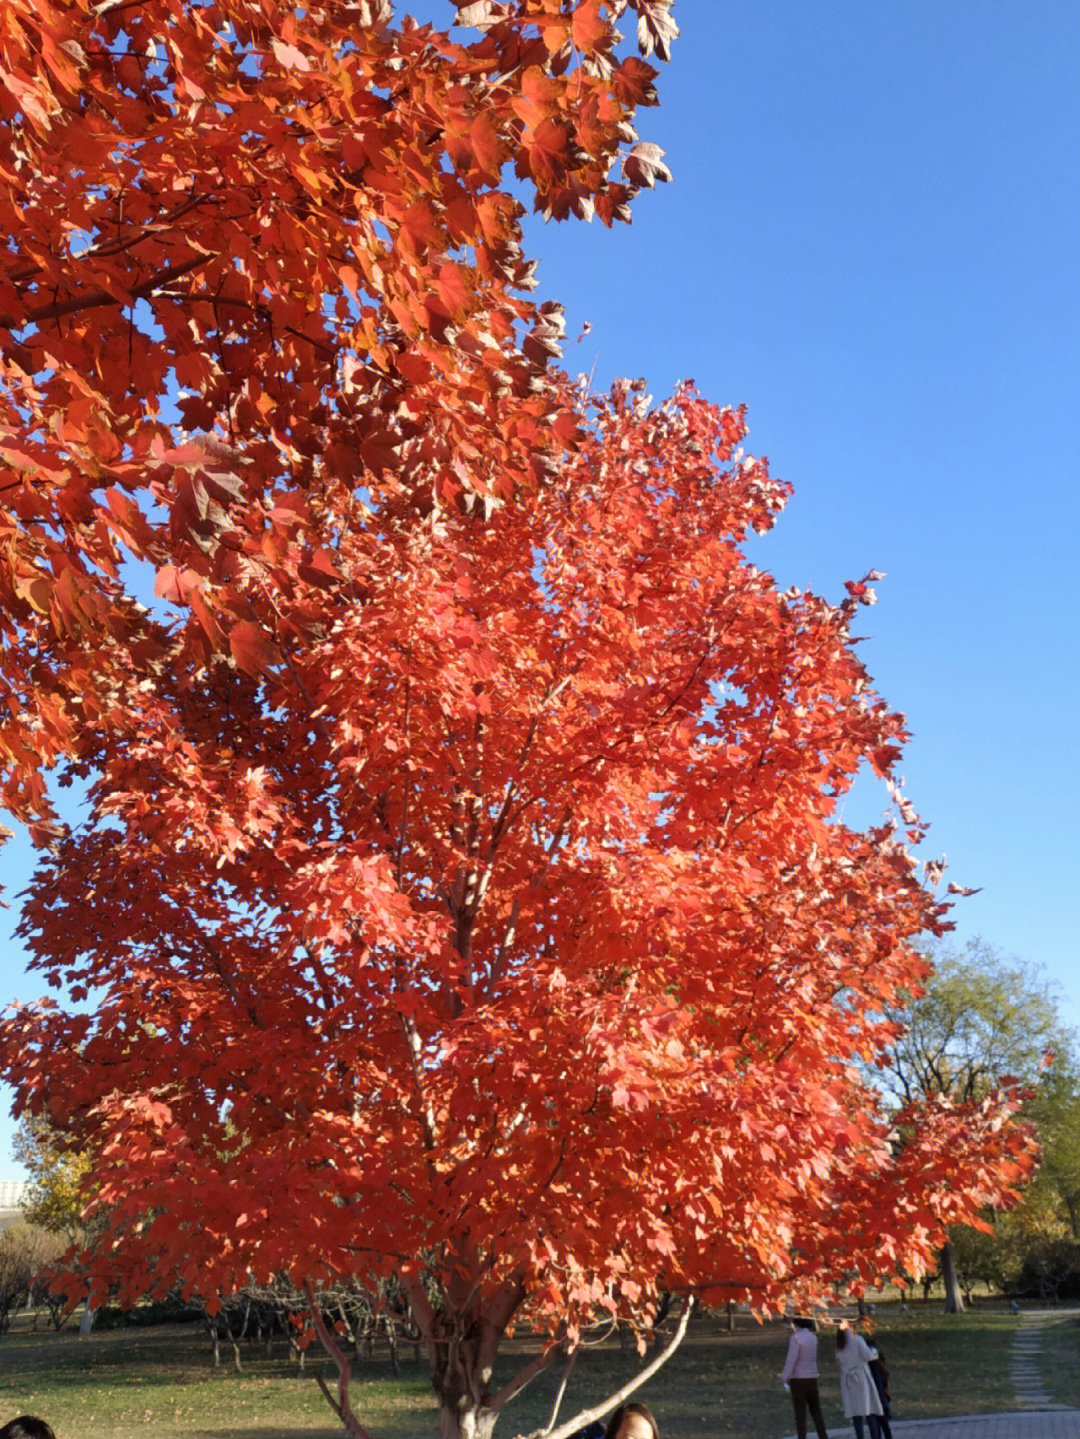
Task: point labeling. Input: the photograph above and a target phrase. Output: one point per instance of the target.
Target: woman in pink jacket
(801, 1376)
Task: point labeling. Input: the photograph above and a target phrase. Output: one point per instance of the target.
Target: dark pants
(872, 1420)
(886, 1427)
(804, 1396)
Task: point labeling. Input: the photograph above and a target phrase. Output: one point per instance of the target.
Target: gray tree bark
(954, 1299)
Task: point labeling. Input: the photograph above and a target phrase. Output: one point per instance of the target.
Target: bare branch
(598, 1411)
(544, 1360)
(561, 1391)
(341, 1406)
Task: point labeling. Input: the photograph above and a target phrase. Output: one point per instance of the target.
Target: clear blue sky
(873, 240)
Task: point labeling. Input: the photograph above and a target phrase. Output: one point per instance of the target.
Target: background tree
(59, 1175)
(1055, 1111)
(54, 1198)
(26, 1252)
(1035, 1247)
(486, 920)
(980, 1018)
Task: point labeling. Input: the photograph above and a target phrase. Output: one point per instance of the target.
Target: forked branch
(598, 1411)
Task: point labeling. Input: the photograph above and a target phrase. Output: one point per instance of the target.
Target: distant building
(12, 1195)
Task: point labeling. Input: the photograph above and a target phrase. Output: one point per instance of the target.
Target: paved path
(1020, 1424)
(1026, 1379)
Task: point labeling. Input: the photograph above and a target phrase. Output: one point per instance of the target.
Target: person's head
(803, 1321)
(842, 1333)
(632, 1421)
(27, 1426)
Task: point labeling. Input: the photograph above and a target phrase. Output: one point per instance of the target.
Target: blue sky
(872, 240)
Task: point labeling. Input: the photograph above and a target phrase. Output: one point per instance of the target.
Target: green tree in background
(54, 1200)
(56, 1173)
(1056, 1112)
(983, 1017)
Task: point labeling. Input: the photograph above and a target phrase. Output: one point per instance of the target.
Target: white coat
(858, 1392)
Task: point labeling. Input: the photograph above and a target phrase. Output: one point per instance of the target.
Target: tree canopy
(244, 249)
(499, 929)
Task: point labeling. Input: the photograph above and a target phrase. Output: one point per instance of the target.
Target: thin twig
(561, 1391)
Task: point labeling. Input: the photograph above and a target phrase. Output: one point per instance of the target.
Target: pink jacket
(801, 1362)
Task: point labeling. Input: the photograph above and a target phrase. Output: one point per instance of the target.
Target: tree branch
(121, 244)
(427, 1116)
(561, 1391)
(341, 1406)
(419, 1304)
(598, 1411)
(542, 1361)
(96, 299)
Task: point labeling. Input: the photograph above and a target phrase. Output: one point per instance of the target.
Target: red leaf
(252, 649)
(588, 29)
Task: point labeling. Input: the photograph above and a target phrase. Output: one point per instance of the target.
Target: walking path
(1027, 1382)
(1020, 1424)
(1038, 1415)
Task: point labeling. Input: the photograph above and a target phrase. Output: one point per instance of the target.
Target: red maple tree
(488, 920)
(462, 893)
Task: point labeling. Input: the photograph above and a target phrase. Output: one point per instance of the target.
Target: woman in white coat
(858, 1392)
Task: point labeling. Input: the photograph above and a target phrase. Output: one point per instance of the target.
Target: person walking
(858, 1392)
(801, 1376)
(879, 1373)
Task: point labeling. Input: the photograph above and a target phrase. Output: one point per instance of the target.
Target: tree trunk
(461, 1365)
(462, 1352)
(391, 1339)
(954, 1300)
(465, 1419)
(1073, 1211)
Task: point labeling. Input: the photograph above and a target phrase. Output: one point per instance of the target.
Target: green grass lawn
(129, 1384)
(1059, 1361)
